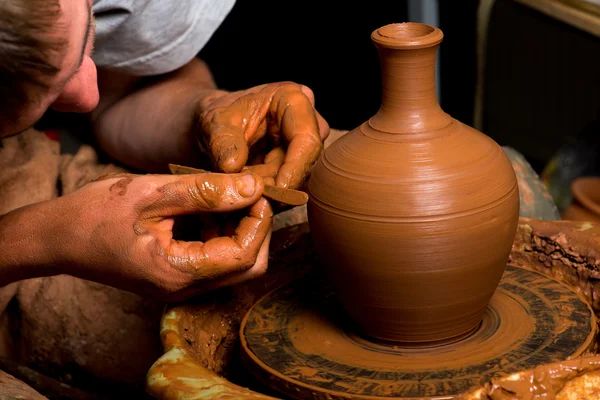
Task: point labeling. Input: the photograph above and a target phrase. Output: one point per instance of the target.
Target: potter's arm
(145, 122)
(151, 122)
(32, 242)
(119, 231)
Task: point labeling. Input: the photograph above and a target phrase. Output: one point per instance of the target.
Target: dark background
(542, 81)
(330, 50)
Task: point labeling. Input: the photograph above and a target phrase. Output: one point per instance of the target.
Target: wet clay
(201, 337)
(577, 379)
(209, 324)
(568, 251)
(295, 340)
(586, 200)
(413, 213)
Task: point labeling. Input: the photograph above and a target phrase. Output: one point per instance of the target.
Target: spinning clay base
(298, 341)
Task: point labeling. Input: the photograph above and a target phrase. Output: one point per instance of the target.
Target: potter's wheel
(298, 341)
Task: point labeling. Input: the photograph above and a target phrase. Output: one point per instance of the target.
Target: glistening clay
(413, 213)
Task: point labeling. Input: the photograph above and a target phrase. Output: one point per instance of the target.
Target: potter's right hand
(123, 232)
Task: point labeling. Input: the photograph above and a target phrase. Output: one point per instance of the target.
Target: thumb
(207, 192)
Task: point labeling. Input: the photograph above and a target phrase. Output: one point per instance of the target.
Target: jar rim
(407, 35)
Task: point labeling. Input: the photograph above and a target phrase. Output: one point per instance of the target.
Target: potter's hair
(27, 42)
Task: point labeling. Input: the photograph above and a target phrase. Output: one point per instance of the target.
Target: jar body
(414, 230)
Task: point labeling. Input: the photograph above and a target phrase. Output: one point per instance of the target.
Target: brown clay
(578, 379)
(413, 213)
(568, 251)
(586, 200)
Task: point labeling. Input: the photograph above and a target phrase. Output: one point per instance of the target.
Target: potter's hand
(125, 230)
(274, 127)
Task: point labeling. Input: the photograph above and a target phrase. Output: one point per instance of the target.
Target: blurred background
(526, 72)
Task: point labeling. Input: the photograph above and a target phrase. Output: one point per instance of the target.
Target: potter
(149, 102)
(413, 213)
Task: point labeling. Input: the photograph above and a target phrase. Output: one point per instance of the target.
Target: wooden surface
(580, 17)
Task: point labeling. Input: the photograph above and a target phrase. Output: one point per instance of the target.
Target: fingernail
(246, 185)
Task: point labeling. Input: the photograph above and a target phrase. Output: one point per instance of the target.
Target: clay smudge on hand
(120, 187)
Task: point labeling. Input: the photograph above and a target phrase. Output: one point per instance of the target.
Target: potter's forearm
(151, 126)
(32, 242)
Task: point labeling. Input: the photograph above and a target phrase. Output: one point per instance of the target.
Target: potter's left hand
(274, 129)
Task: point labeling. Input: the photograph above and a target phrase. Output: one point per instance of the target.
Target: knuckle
(291, 87)
(248, 260)
(209, 119)
(308, 92)
(286, 85)
(297, 97)
(207, 101)
(298, 90)
(205, 193)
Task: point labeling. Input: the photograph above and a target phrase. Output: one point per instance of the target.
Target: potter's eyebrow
(86, 37)
(85, 40)
(88, 31)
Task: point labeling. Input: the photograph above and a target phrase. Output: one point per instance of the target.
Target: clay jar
(413, 213)
(586, 200)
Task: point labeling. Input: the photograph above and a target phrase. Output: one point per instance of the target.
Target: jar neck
(409, 100)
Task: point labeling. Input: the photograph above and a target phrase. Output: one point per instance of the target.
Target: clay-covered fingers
(256, 271)
(284, 111)
(295, 125)
(157, 235)
(202, 286)
(221, 256)
(205, 192)
(324, 128)
(231, 125)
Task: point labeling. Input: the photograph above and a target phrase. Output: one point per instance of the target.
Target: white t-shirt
(151, 37)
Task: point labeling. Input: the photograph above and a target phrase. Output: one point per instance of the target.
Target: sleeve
(151, 37)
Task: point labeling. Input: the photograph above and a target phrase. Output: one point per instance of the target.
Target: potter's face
(74, 88)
